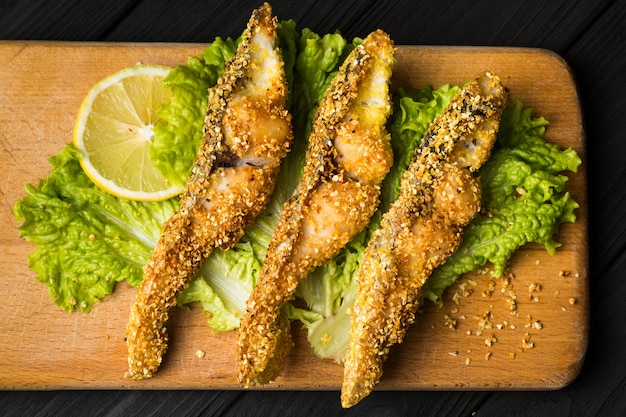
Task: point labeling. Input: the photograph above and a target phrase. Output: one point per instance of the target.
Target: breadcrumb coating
(247, 132)
(335, 199)
(423, 227)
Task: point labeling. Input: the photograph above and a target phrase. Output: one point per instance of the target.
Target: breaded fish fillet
(247, 132)
(348, 156)
(423, 227)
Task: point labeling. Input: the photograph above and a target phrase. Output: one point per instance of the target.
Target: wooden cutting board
(43, 347)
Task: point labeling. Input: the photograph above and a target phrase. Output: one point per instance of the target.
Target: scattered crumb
(487, 324)
(200, 353)
(455, 298)
(450, 322)
(526, 343)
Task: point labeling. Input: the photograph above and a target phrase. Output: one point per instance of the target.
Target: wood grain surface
(41, 87)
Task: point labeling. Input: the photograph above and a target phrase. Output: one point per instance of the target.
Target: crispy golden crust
(230, 183)
(334, 200)
(422, 228)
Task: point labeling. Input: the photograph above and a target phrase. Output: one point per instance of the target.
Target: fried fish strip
(349, 154)
(423, 227)
(247, 132)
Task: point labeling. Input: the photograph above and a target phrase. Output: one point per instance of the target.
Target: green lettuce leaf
(86, 239)
(317, 63)
(223, 285)
(413, 112)
(328, 292)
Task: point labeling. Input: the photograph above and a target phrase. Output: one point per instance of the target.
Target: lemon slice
(113, 131)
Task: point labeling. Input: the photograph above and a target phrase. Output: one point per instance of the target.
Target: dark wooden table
(591, 36)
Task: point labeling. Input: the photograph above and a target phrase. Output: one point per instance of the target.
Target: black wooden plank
(117, 403)
(236, 403)
(60, 20)
(592, 39)
(548, 25)
(487, 22)
(599, 64)
(295, 403)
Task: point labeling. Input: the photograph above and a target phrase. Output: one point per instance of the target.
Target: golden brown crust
(221, 174)
(422, 228)
(332, 203)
